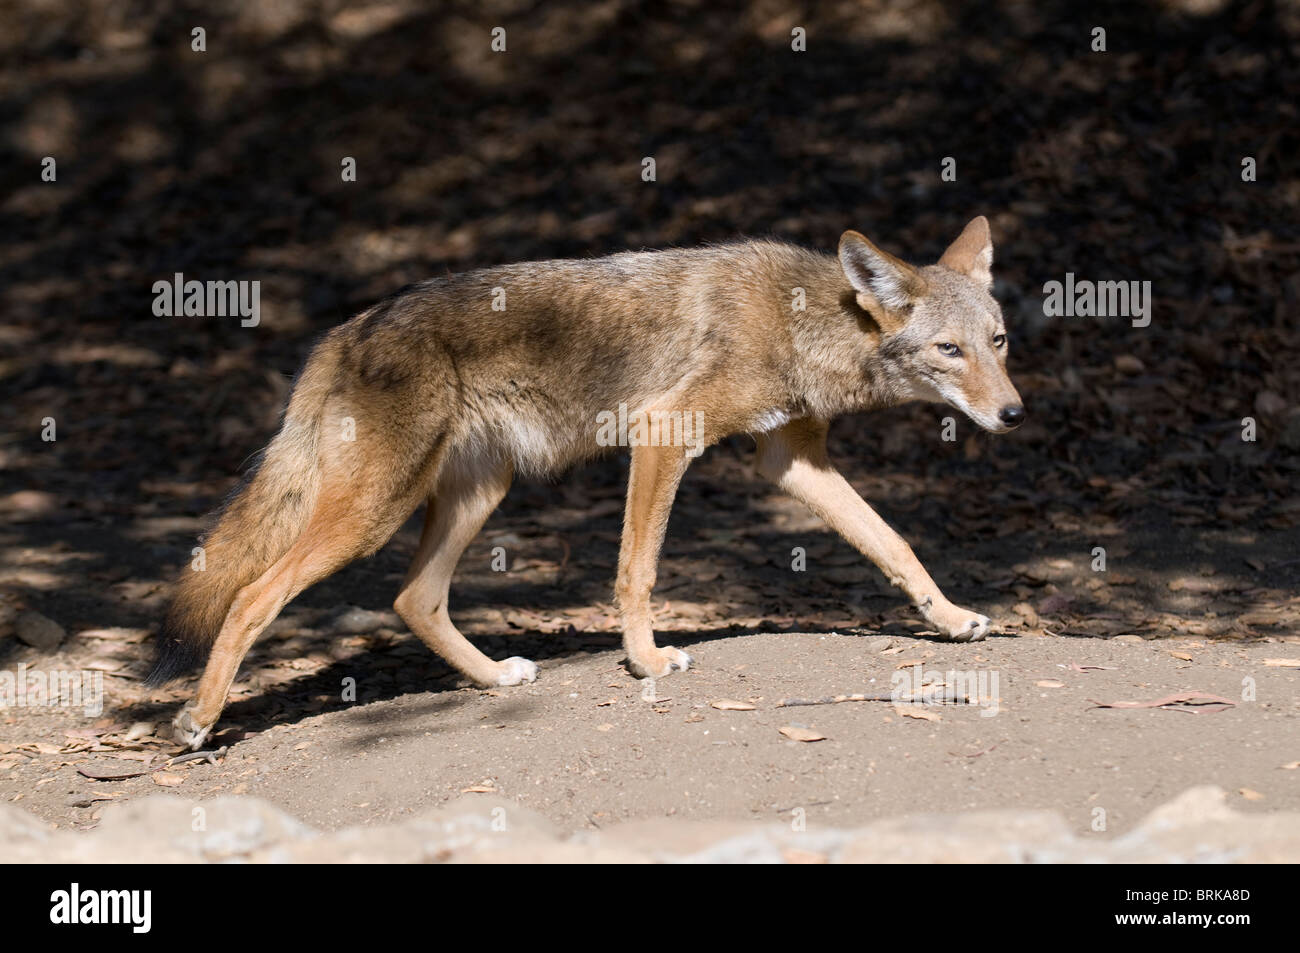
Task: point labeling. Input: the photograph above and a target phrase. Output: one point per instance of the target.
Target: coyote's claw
(517, 671)
(956, 624)
(188, 731)
(667, 661)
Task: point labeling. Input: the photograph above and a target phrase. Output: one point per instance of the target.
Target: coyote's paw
(663, 662)
(516, 671)
(187, 730)
(956, 624)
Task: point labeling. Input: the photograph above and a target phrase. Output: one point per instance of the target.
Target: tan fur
(450, 397)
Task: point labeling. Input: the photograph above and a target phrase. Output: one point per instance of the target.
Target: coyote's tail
(258, 524)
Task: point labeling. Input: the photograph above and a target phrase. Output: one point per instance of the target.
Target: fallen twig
(832, 700)
(1076, 667)
(926, 698)
(1194, 703)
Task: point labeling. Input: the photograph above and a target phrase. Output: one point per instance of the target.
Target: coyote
(444, 391)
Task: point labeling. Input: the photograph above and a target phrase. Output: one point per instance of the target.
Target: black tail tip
(175, 657)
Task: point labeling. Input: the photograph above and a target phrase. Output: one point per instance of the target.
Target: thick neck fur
(837, 365)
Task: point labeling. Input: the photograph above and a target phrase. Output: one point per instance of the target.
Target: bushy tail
(256, 527)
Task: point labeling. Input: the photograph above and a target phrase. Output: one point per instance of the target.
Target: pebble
(38, 631)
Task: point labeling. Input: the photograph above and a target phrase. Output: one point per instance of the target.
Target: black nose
(1012, 416)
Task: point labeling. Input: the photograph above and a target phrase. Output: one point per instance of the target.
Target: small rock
(1270, 404)
(39, 632)
(793, 855)
(1198, 805)
(977, 837)
(357, 621)
(28, 503)
(232, 827)
(17, 827)
(666, 839)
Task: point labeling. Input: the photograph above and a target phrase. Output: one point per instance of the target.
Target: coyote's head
(942, 334)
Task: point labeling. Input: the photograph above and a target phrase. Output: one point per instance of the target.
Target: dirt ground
(224, 165)
(588, 745)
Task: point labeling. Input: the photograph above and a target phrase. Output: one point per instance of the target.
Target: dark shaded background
(225, 165)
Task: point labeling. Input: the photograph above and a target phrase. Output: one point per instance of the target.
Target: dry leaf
(918, 713)
(1050, 683)
(1282, 662)
(1291, 766)
(110, 771)
(167, 779)
(1250, 795)
(799, 733)
(730, 704)
(83, 734)
(479, 789)
(1182, 655)
(42, 747)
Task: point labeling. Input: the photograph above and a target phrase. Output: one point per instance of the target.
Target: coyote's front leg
(795, 458)
(656, 471)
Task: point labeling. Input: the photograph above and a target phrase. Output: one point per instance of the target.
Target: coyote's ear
(877, 275)
(972, 252)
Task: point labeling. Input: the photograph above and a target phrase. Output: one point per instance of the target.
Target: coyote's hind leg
(463, 500)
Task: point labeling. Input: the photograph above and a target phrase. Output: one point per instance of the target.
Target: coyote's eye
(999, 340)
(951, 350)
